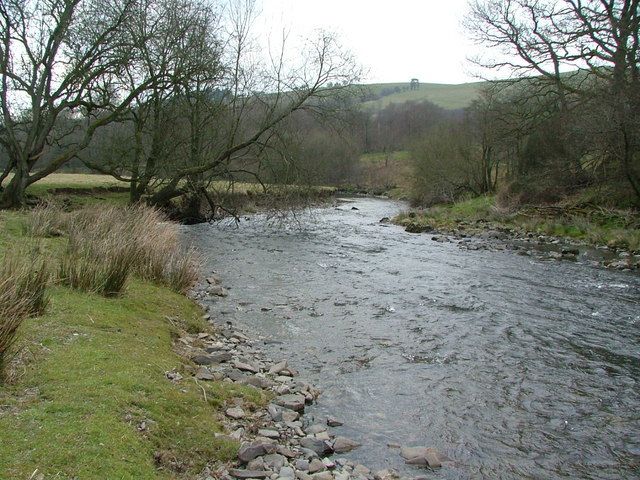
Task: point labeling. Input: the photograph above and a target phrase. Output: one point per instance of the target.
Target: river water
(509, 365)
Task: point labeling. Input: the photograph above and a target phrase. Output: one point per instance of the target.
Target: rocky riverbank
(278, 441)
(483, 235)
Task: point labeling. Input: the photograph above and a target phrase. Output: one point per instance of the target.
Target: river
(511, 366)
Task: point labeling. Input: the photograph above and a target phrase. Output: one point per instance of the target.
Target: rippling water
(511, 366)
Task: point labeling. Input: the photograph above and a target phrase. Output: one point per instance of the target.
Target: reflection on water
(510, 366)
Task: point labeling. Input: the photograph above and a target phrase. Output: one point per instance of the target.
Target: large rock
(212, 359)
(344, 445)
(319, 446)
(248, 452)
(291, 401)
(245, 366)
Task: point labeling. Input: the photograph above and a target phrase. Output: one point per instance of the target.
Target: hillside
(450, 97)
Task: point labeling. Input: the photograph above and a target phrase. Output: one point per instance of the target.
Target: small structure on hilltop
(415, 84)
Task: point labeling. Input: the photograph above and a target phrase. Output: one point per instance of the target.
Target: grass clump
(107, 245)
(23, 293)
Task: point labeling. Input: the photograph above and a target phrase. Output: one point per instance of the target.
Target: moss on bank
(585, 222)
(89, 397)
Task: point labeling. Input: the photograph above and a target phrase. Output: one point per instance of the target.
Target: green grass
(77, 190)
(450, 97)
(593, 225)
(91, 370)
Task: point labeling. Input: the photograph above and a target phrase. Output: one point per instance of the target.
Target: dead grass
(24, 277)
(106, 245)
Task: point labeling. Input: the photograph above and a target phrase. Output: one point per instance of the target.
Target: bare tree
(58, 58)
(573, 50)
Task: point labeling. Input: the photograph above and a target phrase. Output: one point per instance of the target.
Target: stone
(275, 412)
(217, 290)
(302, 465)
(202, 360)
(248, 452)
(342, 476)
(320, 447)
(245, 366)
(315, 428)
(327, 462)
(385, 474)
(258, 382)
(322, 476)
(334, 422)
(235, 412)
(316, 465)
(205, 374)
(264, 432)
(361, 470)
(414, 227)
(274, 461)
(323, 436)
(256, 464)
(235, 375)
(278, 367)
(286, 452)
(221, 357)
(213, 280)
(289, 416)
(344, 445)
(291, 401)
(422, 456)
(308, 453)
(237, 473)
(287, 472)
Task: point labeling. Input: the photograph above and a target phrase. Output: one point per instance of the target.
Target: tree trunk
(14, 194)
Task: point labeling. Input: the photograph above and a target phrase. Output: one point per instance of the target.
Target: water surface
(511, 366)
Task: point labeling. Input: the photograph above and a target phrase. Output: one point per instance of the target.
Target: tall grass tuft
(46, 220)
(107, 245)
(23, 282)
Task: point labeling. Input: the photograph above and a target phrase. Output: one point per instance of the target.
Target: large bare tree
(572, 50)
(60, 65)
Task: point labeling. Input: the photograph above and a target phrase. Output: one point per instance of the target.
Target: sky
(394, 40)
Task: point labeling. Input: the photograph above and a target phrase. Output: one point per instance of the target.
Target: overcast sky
(395, 40)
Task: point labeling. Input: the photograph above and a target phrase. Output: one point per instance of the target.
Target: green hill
(446, 96)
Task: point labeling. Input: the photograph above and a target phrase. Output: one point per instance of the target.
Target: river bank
(595, 235)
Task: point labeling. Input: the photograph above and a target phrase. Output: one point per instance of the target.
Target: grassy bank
(570, 219)
(77, 190)
(86, 393)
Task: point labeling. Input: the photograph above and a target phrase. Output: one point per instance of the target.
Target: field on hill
(450, 97)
